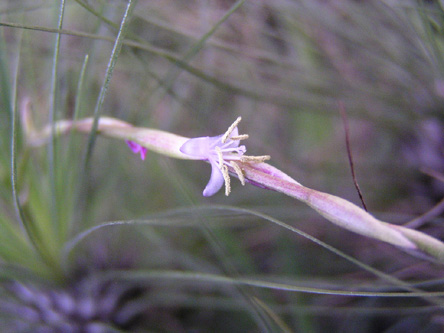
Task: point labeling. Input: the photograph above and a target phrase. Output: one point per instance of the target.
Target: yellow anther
(239, 137)
(254, 159)
(224, 170)
(230, 129)
(238, 170)
(233, 155)
(220, 156)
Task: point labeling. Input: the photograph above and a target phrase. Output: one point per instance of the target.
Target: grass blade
(108, 75)
(197, 277)
(36, 247)
(177, 70)
(70, 150)
(27, 227)
(52, 119)
(182, 220)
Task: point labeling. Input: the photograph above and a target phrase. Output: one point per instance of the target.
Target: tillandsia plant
(101, 242)
(226, 157)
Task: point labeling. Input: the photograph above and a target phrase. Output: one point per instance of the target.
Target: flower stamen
(230, 129)
(224, 170)
(220, 156)
(225, 154)
(239, 172)
(254, 159)
(239, 137)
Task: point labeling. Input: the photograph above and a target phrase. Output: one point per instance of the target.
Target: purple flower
(222, 152)
(136, 148)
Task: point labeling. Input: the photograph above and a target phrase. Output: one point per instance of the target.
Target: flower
(222, 152)
(136, 148)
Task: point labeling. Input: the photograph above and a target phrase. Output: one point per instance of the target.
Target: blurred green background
(191, 68)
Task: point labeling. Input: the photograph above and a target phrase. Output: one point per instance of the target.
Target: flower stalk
(226, 157)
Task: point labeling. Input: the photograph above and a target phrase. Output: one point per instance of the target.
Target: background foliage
(191, 68)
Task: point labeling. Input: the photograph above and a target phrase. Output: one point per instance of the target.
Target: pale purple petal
(217, 140)
(136, 148)
(197, 147)
(204, 148)
(216, 181)
(143, 151)
(234, 143)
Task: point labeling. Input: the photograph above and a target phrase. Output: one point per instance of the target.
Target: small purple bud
(136, 148)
